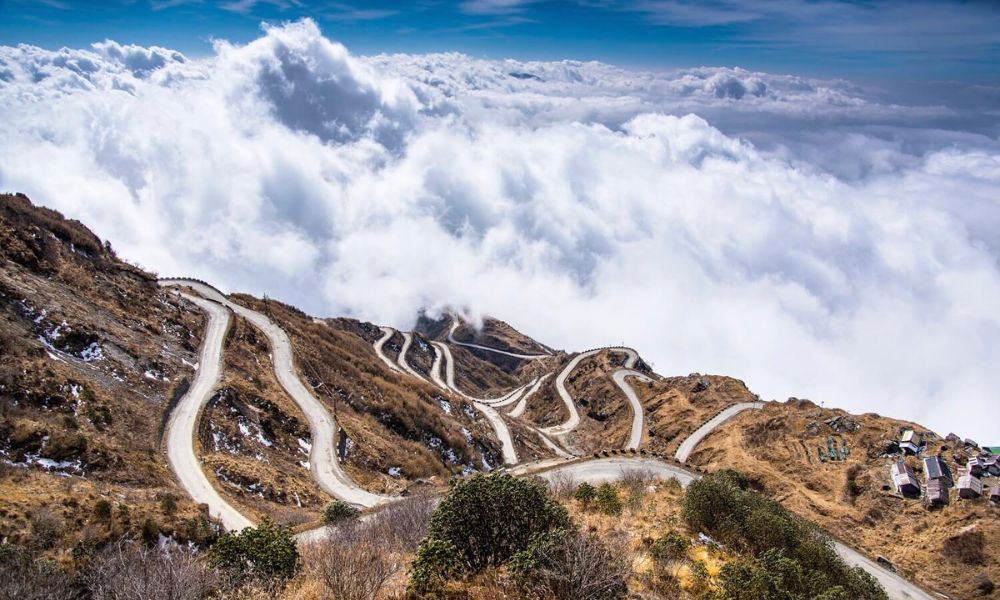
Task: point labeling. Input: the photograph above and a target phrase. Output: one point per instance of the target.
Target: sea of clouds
(814, 238)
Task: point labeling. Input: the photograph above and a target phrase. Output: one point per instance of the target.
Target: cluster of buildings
(938, 478)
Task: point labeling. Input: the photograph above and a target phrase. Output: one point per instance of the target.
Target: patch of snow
(450, 456)
(467, 434)
(434, 442)
(393, 471)
(445, 405)
(92, 353)
(305, 446)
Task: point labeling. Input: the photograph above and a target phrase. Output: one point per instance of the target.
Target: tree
(265, 551)
(607, 500)
(337, 511)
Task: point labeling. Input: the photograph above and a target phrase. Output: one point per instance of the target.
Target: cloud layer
(800, 234)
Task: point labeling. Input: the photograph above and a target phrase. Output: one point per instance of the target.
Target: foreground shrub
(569, 565)
(482, 522)
(27, 577)
(127, 570)
(671, 546)
(402, 524)
(787, 557)
(585, 494)
(607, 501)
(266, 551)
(354, 563)
(338, 511)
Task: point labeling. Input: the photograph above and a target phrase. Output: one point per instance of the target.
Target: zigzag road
(323, 460)
(180, 428)
(180, 433)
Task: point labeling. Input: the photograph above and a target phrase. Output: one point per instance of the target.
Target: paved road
(574, 417)
(184, 418)
(523, 404)
(635, 437)
(688, 445)
(386, 334)
(323, 460)
(601, 470)
(443, 353)
(407, 341)
(451, 339)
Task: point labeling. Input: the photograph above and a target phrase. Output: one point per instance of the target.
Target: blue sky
(833, 38)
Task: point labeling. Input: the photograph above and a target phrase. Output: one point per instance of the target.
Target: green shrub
(168, 504)
(787, 557)
(607, 500)
(585, 494)
(437, 561)
(671, 546)
(102, 510)
(482, 522)
(265, 551)
(337, 511)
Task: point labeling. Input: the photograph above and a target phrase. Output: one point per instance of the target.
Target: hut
(975, 467)
(969, 487)
(937, 493)
(904, 480)
(911, 442)
(991, 465)
(936, 469)
(995, 495)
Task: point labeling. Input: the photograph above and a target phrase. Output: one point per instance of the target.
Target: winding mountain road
(181, 425)
(323, 460)
(407, 341)
(387, 333)
(522, 405)
(688, 445)
(184, 418)
(452, 340)
(443, 354)
(635, 437)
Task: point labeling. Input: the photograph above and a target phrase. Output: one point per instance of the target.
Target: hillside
(96, 356)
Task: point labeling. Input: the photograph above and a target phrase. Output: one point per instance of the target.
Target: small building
(937, 493)
(911, 442)
(935, 468)
(975, 466)
(969, 487)
(904, 480)
(995, 495)
(991, 465)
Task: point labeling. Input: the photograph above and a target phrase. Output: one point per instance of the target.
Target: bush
(129, 571)
(437, 561)
(482, 522)
(783, 550)
(354, 563)
(402, 524)
(568, 565)
(27, 577)
(607, 500)
(266, 551)
(338, 511)
(168, 504)
(585, 494)
(562, 485)
(671, 546)
(102, 510)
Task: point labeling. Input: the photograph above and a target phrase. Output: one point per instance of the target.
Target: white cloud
(796, 233)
